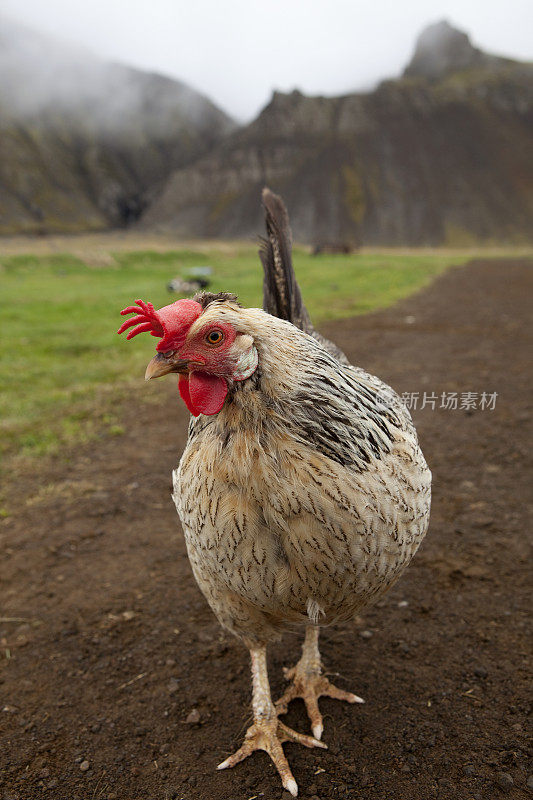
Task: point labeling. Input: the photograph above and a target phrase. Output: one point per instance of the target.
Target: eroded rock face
(446, 160)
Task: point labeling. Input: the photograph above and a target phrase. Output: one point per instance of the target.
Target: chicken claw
(269, 735)
(267, 732)
(309, 683)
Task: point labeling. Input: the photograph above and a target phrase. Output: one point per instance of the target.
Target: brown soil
(107, 645)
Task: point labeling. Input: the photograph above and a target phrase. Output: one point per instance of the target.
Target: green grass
(62, 366)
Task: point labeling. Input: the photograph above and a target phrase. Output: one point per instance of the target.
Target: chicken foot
(309, 683)
(267, 732)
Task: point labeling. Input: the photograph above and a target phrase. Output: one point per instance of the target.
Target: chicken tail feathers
(281, 294)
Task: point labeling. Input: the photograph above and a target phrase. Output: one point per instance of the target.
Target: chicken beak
(162, 364)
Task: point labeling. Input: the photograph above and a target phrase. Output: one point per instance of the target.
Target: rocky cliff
(443, 155)
(86, 144)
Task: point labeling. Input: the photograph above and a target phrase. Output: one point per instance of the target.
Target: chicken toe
(269, 735)
(267, 732)
(309, 683)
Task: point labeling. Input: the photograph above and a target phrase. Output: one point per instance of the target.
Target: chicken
(302, 491)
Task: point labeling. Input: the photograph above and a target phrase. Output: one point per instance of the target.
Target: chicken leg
(267, 732)
(309, 683)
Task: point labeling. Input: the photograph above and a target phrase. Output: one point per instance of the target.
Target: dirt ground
(116, 681)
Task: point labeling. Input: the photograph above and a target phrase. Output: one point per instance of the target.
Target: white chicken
(302, 491)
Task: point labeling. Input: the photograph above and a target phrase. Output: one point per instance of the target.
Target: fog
(52, 79)
(238, 51)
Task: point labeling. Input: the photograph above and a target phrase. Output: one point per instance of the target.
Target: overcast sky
(238, 51)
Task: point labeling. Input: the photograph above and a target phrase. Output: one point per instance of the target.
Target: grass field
(62, 366)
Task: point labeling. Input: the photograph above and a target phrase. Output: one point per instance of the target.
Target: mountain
(442, 155)
(86, 144)
(442, 50)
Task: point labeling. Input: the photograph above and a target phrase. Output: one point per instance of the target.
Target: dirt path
(116, 647)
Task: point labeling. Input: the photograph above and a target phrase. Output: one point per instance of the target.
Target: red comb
(171, 323)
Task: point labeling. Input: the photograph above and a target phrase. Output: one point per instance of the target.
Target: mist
(48, 78)
(237, 52)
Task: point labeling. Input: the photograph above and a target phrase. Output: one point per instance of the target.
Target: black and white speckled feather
(306, 488)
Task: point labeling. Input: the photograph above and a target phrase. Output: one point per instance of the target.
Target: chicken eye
(214, 337)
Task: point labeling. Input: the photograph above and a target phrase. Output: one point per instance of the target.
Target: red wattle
(183, 388)
(203, 393)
